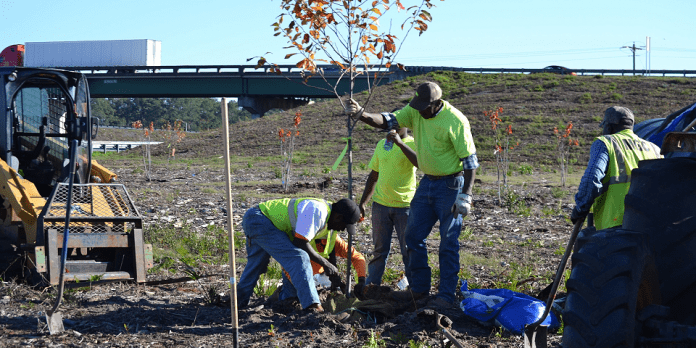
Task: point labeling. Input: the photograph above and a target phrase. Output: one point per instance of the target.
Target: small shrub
(525, 169)
(558, 192)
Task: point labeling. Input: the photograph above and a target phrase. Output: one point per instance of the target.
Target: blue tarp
(648, 129)
(505, 308)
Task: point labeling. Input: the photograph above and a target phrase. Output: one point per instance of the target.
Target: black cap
(426, 94)
(350, 212)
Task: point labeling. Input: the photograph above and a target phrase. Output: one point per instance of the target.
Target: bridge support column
(258, 105)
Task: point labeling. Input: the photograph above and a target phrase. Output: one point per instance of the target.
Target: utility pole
(633, 49)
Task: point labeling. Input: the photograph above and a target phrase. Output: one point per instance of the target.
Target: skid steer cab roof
(42, 108)
(16, 76)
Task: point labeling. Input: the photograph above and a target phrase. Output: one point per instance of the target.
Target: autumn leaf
(426, 16)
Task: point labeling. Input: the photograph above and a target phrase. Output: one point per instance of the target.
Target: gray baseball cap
(618, 115)
(426, 93)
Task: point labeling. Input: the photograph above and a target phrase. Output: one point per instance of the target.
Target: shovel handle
(559, 273)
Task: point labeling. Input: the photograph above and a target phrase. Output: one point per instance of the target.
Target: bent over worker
(447, 155)
(283, 229)
(606, 180)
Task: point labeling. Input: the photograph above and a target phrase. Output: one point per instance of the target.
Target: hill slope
(533, 104)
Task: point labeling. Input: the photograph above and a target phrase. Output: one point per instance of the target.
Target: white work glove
(352, 108)
(462, 205)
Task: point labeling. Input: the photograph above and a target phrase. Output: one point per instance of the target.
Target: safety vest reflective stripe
(633, 145)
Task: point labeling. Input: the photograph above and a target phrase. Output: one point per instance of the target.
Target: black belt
(436, 177)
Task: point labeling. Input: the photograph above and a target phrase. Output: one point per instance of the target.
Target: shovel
(54, 319)
(535, 333)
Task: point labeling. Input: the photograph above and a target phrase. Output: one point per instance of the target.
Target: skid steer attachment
(43, 114)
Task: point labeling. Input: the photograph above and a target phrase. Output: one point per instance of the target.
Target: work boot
(439, 303)
(408, 295)
(314, 308)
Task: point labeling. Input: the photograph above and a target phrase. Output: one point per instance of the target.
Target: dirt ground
(180, 314)
(498, 245)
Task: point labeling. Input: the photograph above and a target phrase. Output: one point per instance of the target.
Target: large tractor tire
(661, 204)
(613, 277)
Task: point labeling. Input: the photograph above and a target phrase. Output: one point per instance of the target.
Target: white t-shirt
(311, 216)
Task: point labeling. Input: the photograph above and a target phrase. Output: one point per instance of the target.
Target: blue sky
(584, 34)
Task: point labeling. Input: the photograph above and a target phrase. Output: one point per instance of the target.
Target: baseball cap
(350, 212)
(426, 93)
(618, 115)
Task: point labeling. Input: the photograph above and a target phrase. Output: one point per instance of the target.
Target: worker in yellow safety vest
(284, 229)
(607, 178)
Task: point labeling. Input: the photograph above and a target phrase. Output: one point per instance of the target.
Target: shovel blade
(55, 323)
(535, 336)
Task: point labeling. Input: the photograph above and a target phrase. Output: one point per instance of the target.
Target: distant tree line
(198, 113)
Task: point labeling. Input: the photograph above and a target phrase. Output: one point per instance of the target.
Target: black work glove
(358, 288)
(577, 215)
(336, 283)
(330, 270)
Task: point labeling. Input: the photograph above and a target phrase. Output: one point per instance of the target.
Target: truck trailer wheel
(613, 277)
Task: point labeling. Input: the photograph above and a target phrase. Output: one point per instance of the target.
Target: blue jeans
(287, 290)
(433, 202)
(263, 241)
(384, 221)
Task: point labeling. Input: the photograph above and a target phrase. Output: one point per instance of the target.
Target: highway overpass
(259, 90)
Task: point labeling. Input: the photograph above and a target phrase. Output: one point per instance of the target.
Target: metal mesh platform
(95, 208)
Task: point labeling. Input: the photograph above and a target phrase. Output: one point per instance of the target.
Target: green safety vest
(283, 214)
(625, 151)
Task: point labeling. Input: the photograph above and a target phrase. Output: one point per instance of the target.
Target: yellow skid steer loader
(41, 112)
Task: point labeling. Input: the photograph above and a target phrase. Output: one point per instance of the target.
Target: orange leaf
(374, 27)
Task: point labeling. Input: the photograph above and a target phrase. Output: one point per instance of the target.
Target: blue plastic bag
(505, 308)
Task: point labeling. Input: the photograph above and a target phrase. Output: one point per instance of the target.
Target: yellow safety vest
(283, 214)
(625, 151)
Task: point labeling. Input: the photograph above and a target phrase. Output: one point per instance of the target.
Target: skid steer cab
(42, 112)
